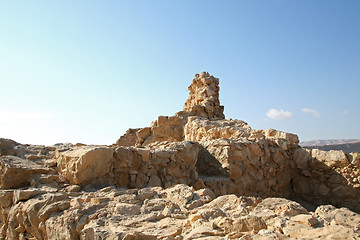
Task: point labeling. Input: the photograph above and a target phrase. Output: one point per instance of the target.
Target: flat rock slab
(15, 171)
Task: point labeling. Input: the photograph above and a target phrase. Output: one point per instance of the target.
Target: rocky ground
(194, 175)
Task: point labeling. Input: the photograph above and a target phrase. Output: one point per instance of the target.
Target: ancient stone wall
(129, 138)
(253, 168)
(327, 177)
(164, 164)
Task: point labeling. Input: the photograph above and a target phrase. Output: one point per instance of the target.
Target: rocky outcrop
(194, 175)
(178, 212)
(15, 172)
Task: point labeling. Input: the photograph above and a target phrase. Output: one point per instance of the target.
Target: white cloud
(345, 112)
(8, 116)
(279, 114)
(312, 112)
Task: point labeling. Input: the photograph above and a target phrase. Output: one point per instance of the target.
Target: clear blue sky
(86, 71)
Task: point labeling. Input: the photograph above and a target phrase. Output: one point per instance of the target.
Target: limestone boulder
(331, 158)
(203, 129)
(338, 216)
(285, 140)
(281, 206)
(81, 165)
(15, 172)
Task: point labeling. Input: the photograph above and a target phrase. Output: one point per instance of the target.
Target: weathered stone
(354, 158)
(81, 165)
(282, 207)
(331, 158)
(204, 97)
(200, 129)
(302, 157)
(15, 172)
(306, 219)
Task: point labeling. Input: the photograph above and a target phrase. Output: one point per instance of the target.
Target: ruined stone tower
(203, 98)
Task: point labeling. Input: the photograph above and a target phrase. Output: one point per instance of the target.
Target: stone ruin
(194, 175)
(203, 99)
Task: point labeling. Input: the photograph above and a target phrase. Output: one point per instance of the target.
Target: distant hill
(347, 145)
(327, 142)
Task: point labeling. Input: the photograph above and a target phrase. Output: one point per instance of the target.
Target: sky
(86, 71)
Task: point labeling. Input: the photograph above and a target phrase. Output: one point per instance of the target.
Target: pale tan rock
(331, 158)
(302, 158)
(354, 158)
(6, 198)
(339, 216)
(329, 232)
(283, 139)
(243, 224)
(179, 194)
(165, 164)
(245, 167)
(204, 97)
(15, 172)
(291, 228)
(281, 206)
(21, 195)
(306, 219)
(129, 138)
(119, 213)
(201, 129)
(203, 233)
(83, 164)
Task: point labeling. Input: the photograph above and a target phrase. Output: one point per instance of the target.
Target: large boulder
(81, 165)
(15, 172)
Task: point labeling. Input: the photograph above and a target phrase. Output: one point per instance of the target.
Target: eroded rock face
(194, 175)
